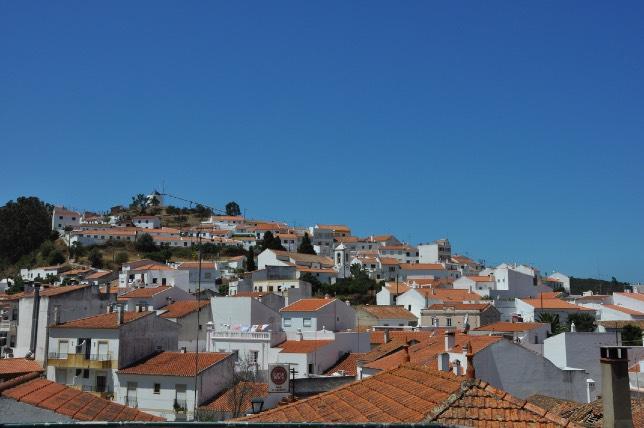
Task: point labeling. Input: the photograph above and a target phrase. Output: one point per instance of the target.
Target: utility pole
(198, 299)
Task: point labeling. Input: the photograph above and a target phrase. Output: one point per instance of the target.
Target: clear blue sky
(514, 128)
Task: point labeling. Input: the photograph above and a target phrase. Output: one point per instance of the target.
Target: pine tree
(250, 260)
(306, 247)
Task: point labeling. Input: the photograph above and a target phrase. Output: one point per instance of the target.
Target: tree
(139, 202)
(145, 243)
(76, 250)
(250, 260)
(95, 258)
(121, 257)
(305, 246)
(631, 335)
(316, 285)
(553, 320)
(583, 322)
(46, 248)
(24, 225)
(232, 208)
(223, 289)
(271, 242)
(55, 258)
(18, 285)
(154, 201)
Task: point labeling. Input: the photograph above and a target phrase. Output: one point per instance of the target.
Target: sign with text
(278, 376)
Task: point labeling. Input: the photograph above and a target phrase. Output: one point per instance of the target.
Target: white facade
(336, 316)
(147, 222)
(80, 301)
(139, 389)
(39, 272)
(578, 351)
(62, 218)
(564, 279)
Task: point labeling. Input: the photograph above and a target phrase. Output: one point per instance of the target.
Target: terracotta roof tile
(183, 307)
(175, 363)
(459, 306)
(102, 321)
(68, 401)
(405, 394)
(230, 399)
(511, 326)
(55, 291)
(554, 304)
(624, 310)
(302, 346)
(18, 365)
(480, 406)
(348, 364)
(145, 292)
(388, 312)
(307, 305)
(421, 266)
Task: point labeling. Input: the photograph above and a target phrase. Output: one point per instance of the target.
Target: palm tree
(553, 320)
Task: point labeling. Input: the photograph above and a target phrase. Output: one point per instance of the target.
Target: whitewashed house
(62, 303)
(192, 318)
(165, 384)
(146, 222)
(152, 298)
(318, 314)
(62, 217)
(86, 353)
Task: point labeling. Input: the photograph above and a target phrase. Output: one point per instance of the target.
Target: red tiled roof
(175, 363)
(413, 394)
(238, 398)
(636, 296)
(511, 326)
(554, 304)
(624, 310)
(144, 292)
(459, 306)
(183, 307)
(481, 405)
(448, 294)
(97, 275)
(9, 366)
(421, 266)
(55, 291)
(68, 401)
(195, 265)
(307, 305)
(302, 346)
(102, 321)
(348, 363)
(387, 312)
(390, 361)
(479, 278)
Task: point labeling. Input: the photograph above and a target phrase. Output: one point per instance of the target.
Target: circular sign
(279, 375)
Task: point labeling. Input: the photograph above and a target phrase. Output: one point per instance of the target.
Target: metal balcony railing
(94, 388)
(180, 404)
(241, 335)
(57, 356)
(131, 401)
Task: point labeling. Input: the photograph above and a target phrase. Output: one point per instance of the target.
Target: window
(287, 322)
(409, 307)
(307, 322)
(85, 373)
(252, 357)
(154, 280)
(163, 281)
(310, 368)
(448, 322)
(157, 388)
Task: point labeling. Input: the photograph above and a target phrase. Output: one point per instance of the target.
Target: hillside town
(151, 312)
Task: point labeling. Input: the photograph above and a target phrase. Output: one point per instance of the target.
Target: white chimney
(450, 340)
(119, 315)
(443, 362)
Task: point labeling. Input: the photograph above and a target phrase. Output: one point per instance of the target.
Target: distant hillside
(597, 286)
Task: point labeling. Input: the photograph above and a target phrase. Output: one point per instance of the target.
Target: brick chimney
(616, 394)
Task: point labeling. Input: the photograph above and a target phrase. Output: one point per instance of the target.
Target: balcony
(131, 402)
(81, 361)
(8, 326)
(226, 334)
(99, 391)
